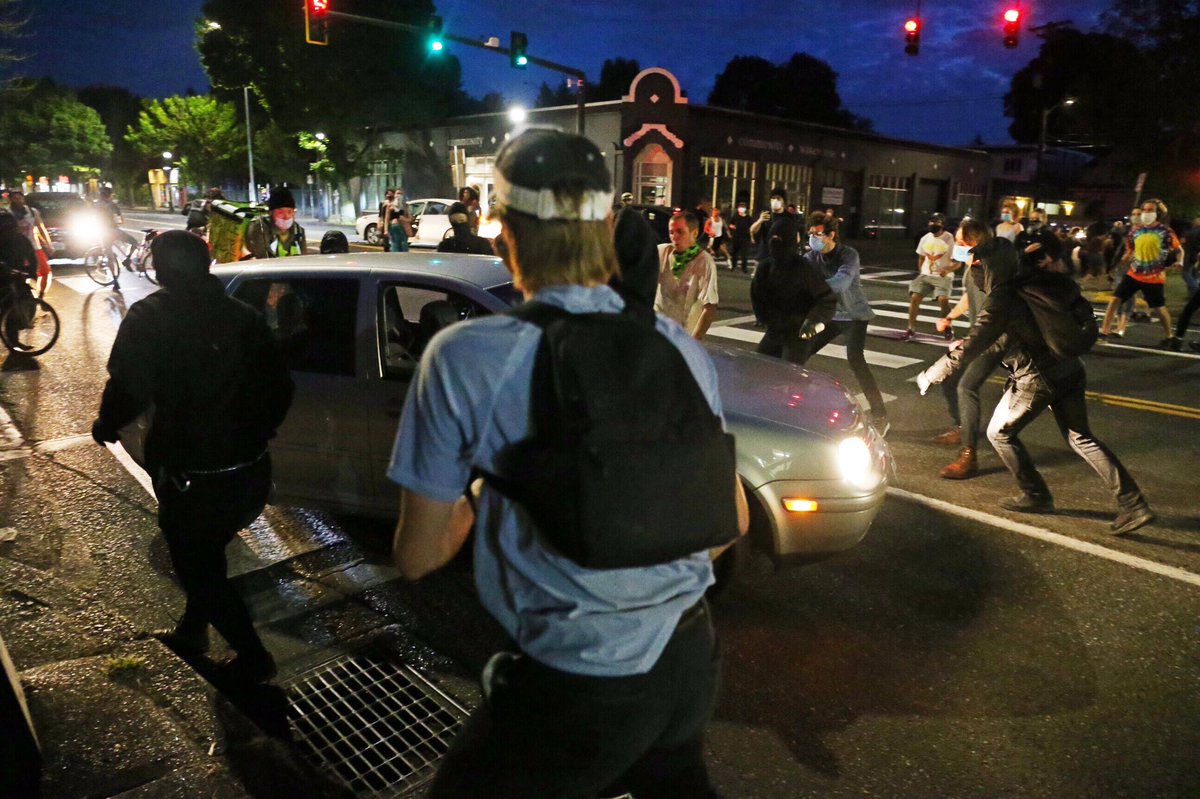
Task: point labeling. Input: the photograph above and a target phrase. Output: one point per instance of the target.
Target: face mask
(741, 210)
(961, 253)
(284, 222)
(1034, 224)
(776, 205)
(935, 229)
(1149, 217)
(816, 243)
(1006, 217)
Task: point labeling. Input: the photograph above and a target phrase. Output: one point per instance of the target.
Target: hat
(334, 241)
(551, 175)
(280, 197)
(458, 214)
(778, 192)
(180, 257)
(627, 197)
(937, 216)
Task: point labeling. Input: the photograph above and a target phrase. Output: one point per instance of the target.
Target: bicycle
(98, 261)
(28, 325)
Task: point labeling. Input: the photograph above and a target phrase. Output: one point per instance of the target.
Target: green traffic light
(522, 60)
(436, 46)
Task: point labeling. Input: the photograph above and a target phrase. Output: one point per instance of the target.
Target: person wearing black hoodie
(792, 295)
(463, 239)
(1038, 379)
(637, 255)
(209, 367)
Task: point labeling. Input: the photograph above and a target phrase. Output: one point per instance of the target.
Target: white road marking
(886, 273)
(15, 454)
(1153, 350)
(137, 472)
(920, 317)
(59, 444)
(737, 320)
(883, 359)
(1125, 559)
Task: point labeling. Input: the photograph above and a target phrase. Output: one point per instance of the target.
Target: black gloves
(102, 435)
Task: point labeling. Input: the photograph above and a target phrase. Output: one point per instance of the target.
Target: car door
(408, 312)
(433, 223)
(321, 452)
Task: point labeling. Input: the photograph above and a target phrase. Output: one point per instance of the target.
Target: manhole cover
(378, 727)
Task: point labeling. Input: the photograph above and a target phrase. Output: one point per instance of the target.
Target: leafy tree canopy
(46, 131)
(616, 74)
(802, 88)
(202, 132)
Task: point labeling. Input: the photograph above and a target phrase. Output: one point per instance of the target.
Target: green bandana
(682, 259)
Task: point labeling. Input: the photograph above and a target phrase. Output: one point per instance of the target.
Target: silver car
(354, 327)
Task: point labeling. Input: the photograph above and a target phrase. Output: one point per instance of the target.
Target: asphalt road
(959, 651)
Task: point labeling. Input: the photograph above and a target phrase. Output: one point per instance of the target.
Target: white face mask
(776, 205)
(1149, 217)
(741, 210)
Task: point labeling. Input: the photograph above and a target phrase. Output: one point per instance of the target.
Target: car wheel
(736, 561)
(371, 235)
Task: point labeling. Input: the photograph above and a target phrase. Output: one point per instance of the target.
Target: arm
(958, 310)
(757, 226)
(743, 518)
(130, 387)
(846, 274)
(704, 322)
(429, 533)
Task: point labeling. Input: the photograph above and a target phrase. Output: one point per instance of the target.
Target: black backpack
(1063, 315)
(626, 465)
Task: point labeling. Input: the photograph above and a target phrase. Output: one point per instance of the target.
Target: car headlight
(87, 227)
(857, 464)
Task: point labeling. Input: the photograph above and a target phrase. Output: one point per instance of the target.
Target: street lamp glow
(517, 114)
(213, 25)
(167, 155)
(1068, 102)
(319, 136)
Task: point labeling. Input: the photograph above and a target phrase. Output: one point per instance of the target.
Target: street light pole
(1066, 102)
(167, 156)
(249, 144)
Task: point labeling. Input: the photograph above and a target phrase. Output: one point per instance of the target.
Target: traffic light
(316, 21)
(434, 36)
(1012, 27)
(912, 36)
(517, 50)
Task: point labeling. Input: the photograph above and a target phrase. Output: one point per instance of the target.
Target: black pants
(1185, 316)
(782, 340)
(548, 734)
(1062, 390)
(856, 339)
(961, 390)
(739, 253)
(198, 522)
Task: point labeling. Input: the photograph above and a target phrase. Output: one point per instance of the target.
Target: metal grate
(378, 727)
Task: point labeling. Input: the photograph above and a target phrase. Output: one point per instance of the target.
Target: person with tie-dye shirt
(1150, 249)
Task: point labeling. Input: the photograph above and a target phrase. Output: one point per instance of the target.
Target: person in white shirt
(687, 277)
(935, 273)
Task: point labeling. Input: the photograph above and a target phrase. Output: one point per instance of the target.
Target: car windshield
(508, 294)
(55, 205)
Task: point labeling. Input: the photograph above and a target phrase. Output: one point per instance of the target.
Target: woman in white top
(1010, 226)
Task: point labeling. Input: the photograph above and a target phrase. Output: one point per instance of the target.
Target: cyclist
(33, 228)
(110, 214)
(18, 262)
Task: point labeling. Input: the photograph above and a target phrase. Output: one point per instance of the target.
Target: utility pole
(253, 195)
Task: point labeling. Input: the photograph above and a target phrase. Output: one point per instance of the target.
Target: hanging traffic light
(316, 21)
(912, 36)
(517, 54)
(434, 38)
(1012, 27)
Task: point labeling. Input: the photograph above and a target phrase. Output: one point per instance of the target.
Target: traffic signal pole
(541, 62)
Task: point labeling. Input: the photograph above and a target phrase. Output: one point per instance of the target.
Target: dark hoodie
(637, 255)
(786, 288)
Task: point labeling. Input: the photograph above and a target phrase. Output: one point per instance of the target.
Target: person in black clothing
(637, 255)
(1038, 379)
(795, 300)
(18, 262)
(463, 239)
(334, 242)
(739, 232)
(218, 384)
(1037, 244)
(760, 234)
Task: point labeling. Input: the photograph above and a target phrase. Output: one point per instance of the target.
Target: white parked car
(430, 218)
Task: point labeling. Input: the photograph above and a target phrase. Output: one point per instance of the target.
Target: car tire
(371, 235)
(735, 562)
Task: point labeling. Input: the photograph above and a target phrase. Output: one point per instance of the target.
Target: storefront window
(652, 170)
(795, 179)
(726, 178)
(970, 199)
(886, 200)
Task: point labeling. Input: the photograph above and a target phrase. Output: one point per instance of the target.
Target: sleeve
(711, 296)
(130, 387)
(921, 245)
(430, 455)
(847, 272)
(276, 380)
(989, 325)
(824, 299)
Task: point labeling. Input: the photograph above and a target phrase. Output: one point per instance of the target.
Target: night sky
(948, 94)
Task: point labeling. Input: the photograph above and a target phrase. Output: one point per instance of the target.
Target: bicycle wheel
(146, 267)
(29, 326)
(96, 262)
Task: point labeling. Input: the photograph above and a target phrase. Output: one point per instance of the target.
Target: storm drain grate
(379, 727)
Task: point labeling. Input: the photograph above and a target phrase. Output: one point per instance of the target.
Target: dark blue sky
(947, 94)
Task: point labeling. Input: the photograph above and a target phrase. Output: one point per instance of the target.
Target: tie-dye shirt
(1151, 249)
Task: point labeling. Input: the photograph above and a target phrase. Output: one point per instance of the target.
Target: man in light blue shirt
(618, 668)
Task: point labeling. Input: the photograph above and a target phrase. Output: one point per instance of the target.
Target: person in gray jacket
(840, 266)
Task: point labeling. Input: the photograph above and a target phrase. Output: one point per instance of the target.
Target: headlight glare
(857, 465)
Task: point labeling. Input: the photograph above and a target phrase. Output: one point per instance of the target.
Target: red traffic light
(912, 26)
(1012, 16)
(318, 8)
(912, 36)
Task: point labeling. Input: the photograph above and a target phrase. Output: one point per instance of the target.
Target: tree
(278, 156)
(802, 88)
(203, 133)
(367, 78)
(616, 75)
(11, 23)
(46, 131)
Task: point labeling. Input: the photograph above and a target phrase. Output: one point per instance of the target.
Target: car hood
(761, 387)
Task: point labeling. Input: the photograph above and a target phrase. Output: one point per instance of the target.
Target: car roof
(484, 271)
(53, 195)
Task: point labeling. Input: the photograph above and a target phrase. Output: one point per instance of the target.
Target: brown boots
(962, 469)
(950, 438)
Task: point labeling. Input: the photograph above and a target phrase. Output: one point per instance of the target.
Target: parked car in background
(59, 211)
(430, 221)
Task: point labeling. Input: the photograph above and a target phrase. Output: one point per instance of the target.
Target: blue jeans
(1061, 389)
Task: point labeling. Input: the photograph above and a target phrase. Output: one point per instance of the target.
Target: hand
(942, 324)
(1037, 245)
(955, 345)
(765, 216)
(102, 435)
(810, 329)
(923, 383)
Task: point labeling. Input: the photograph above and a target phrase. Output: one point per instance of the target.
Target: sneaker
(1028, 503)
(964, 468)
(116, 285)
(186, 645)
(127, 263)
(948, 334)
(1172, 343)
(909, 335)
(246, 670)
(1119, 334)
(950, 438)
(1129, 520)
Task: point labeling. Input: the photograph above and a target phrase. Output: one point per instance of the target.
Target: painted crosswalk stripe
(883, 359)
